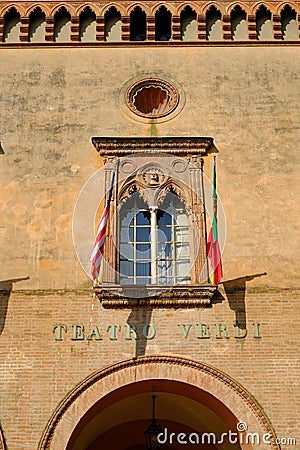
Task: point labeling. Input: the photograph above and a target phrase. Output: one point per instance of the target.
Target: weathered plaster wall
(55, 100)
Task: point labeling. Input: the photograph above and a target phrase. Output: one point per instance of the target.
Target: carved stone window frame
(135, 157)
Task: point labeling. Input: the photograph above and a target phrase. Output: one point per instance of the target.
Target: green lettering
(221, 328)
(77, 333)
(237, 328)
(57, 329)
(94, 332)
(256, 330)
(131, 330)
(203, 331)
(185, 331)
(149, 328)
(113, 332)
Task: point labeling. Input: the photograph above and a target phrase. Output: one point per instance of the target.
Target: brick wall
(39, 371)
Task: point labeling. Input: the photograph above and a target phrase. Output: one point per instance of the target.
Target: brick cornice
(175, 6)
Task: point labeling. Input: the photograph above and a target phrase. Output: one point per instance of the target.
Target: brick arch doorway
(112, 407)
(118, 420)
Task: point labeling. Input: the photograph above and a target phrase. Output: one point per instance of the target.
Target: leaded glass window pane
(148, 259)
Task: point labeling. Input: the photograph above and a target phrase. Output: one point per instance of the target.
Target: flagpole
(213, 248)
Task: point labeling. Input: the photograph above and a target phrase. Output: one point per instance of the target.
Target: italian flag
(212, 246)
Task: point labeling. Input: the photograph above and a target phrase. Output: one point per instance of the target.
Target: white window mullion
(174, 263)
(153, 243)
(134, 244)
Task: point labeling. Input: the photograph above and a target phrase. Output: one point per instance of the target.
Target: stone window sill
(155, 296)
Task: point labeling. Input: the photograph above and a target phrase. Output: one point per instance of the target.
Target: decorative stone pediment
(192, 147)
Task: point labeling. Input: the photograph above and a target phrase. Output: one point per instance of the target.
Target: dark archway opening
(163, 20)
(118, 420)
(138, 25)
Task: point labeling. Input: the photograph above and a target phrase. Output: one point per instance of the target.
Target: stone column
(252, 27)
(226, 27)
(150, 28)
(198, 244)
(74, 29)
(100, 29)
(125, 28)
(24, 29)
(1, 29)
(201, 27)
(176, 29)
(49, 29)
(277, 31)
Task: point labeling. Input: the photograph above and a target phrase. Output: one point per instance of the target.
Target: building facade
(153, 92)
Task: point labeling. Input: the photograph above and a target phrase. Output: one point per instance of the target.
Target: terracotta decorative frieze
(184, 296)
(282, 16)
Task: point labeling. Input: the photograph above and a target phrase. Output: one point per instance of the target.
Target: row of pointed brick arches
(161, 26)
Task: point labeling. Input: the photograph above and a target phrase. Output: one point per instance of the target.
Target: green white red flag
(212, 246)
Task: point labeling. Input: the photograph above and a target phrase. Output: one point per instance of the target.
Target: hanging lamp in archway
(153, 430)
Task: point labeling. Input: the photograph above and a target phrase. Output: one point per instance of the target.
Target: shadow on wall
(5, 291)
(2, 440)
(138, 321)
(235, 291)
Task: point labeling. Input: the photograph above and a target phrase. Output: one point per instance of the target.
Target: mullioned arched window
(154, 242)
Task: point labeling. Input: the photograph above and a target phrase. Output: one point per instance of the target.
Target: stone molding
(184, 296)
(149, 367)
(112, 147)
